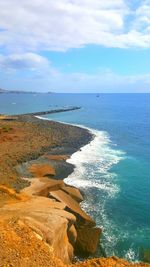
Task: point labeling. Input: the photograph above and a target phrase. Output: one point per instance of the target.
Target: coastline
(34, 137)
(57, 153)
(68, 147)
(50, 162)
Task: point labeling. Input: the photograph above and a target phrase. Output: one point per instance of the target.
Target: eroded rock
(71, 204)
(73, 192)
(42, 186)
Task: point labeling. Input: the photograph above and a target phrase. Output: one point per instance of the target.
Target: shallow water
(113, 170)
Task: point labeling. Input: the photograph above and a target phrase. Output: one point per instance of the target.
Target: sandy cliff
(38, 231)
(55, 228)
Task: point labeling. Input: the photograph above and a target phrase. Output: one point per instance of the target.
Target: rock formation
(48, 208)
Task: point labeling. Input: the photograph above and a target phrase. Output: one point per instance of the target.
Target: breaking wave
(93, 163)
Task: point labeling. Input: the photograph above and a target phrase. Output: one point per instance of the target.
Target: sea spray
(93, 175)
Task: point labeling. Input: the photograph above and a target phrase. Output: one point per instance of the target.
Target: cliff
(38, 231)
(53, 222)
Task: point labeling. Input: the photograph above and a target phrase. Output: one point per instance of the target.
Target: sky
(75, 46)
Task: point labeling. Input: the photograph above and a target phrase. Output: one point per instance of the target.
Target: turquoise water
(114, 169)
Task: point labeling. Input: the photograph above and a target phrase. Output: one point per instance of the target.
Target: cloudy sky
(75, 45)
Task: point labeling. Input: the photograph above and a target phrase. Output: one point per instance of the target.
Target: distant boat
(97, 95)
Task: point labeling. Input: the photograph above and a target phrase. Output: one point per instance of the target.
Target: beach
(25, 138)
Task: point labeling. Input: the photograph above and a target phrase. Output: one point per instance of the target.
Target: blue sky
(75, 46)
(92, 59)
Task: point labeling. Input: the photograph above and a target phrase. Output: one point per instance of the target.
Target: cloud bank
(42, 77)
(64, 24)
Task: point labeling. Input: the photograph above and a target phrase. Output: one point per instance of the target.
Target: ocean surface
(114, 169)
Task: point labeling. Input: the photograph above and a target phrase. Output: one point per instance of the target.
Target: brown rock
(41, 170)
(47, 219)
(87, 240)
(42, 186)
(72, 205)
(73, 192)
(53, 230)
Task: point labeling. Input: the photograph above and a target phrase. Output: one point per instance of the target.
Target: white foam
(42, 118)
(130, 255)
(94, 161)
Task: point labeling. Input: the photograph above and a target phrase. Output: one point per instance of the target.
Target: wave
(93, 163)
(94, 175)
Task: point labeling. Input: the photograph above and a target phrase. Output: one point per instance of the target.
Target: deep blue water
(114, 170)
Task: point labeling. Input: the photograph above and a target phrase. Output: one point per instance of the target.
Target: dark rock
(87, 240)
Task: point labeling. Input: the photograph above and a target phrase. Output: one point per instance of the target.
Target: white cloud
(142, 17)
(62, 24)
(30, 62)
(105, 81)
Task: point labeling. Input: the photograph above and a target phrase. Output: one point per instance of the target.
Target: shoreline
(67, 167)
(50, 164)
(36, 137)
(56, 153)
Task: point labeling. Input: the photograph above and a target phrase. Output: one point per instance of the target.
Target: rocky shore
(41, 221)
(24, 138)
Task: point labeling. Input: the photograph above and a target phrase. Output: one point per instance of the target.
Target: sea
(113, 170)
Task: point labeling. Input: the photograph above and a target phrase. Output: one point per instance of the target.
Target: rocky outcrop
(50, 209)
(42, 186)
(73, 192)
(47, 219)
(21, 246)
(71, 204)
(39, 231)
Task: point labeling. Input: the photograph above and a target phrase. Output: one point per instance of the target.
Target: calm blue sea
(114, 169)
